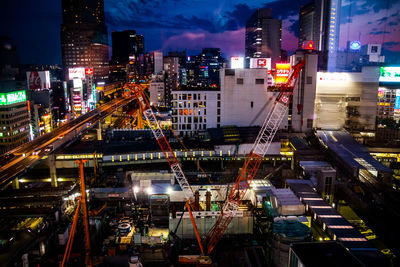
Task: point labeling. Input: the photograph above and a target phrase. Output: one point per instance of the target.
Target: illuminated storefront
(388, 104)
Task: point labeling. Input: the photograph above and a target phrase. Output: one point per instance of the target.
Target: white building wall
(346, 99)
(302, 117)
(195, 111)
(246, 104)
(157, 90)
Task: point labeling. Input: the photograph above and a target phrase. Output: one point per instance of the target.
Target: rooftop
(327, 254)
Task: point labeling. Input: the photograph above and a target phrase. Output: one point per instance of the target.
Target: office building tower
(319, 22)
(202, 71)
(126, 43)
(263, 37)
(84, 40)
(14, 115)
(171, 68)
(308, 29)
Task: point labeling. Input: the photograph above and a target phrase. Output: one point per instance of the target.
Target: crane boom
(168, 153)
(254, 159)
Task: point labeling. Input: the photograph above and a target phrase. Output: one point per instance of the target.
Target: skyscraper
(84, 40)
(263, 36)
(319, 21)
(125, 44)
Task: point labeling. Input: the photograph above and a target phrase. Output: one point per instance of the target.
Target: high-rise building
(84, 40)
(171, 66)
(14, 115)
(263, 37)
(308, 29)
(319, 22)
(126, 43)
(202, 71)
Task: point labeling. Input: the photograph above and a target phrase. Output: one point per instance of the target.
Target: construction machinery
(255, 157)
(248, 172)
(138, 92)
(81, 203)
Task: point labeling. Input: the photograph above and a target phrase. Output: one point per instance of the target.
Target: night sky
(193, 24)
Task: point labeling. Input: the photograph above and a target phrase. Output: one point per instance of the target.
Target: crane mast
(255, 157)
(162, 141)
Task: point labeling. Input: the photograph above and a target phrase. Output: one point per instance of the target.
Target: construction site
(242, 196)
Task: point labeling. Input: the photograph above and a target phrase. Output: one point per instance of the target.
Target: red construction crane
(251, 164)
(254, 159)
(138, 92)
(81, 202)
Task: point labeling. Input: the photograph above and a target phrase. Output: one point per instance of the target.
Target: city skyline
(36, 29)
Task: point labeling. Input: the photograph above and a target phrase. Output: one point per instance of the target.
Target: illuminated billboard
(260, 63)
(397, 101)
(89, 71)
(381, 92)
(38, 80)
(76, 73)
(12, 98)
(390, 74)
(237, 62)
(282, 71)
(77, 83)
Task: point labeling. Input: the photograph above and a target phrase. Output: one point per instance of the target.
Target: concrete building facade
(347, 100)
(157, 90)
(195, 111)
(301, 110)
(246, 100)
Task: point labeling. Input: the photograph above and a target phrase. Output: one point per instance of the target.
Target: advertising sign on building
(237, 62)
(390, 74)
(260, 63)
(38, 80)
(397, 102)
(380, 92)
(282, 71)
(76, 73)
(89, 71)
(12, 97)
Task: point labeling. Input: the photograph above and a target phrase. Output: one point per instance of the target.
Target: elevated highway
(31, 152)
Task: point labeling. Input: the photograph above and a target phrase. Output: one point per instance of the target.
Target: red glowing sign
(282, 71)
(309, 45)
(89, 71)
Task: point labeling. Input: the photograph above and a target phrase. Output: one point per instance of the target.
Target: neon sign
(390, 74)
(12, 98)
(282, 72)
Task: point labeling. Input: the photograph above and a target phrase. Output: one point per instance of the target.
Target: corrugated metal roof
(339, 226)
(349, 150)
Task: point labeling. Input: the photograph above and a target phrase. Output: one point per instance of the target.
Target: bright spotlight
(169, 190)
(149, 190)
(135, 189)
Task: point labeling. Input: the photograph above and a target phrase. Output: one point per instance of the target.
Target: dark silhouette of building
(263, 37)
(319, 22)
(84, 40)
(126, 43)
(8, 59)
